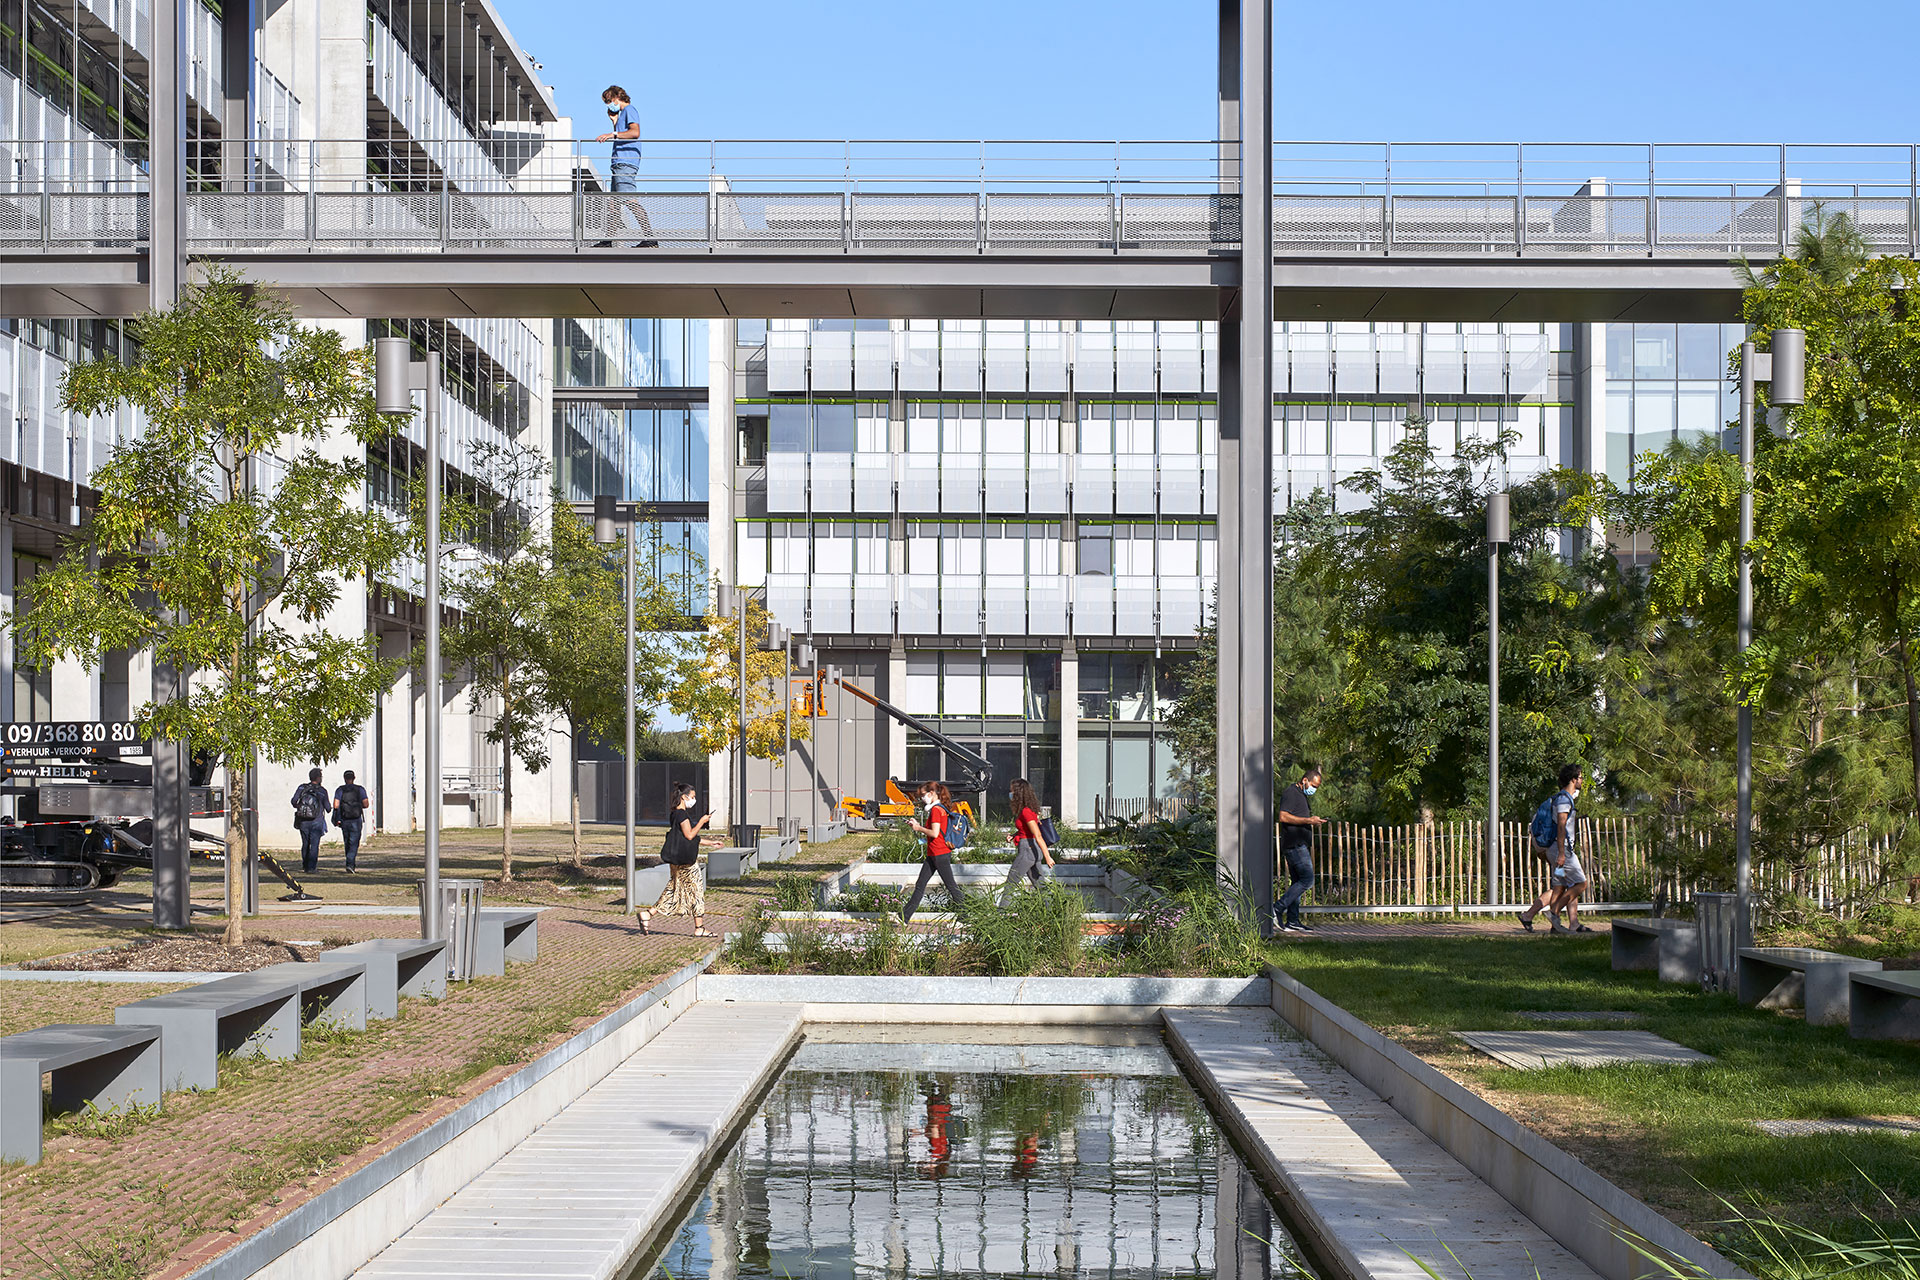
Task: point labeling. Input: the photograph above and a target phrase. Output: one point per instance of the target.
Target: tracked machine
(974, 774)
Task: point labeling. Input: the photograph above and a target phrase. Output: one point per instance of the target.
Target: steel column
(1743, 763)
(633, 532)
(172, 876)
(431, 923)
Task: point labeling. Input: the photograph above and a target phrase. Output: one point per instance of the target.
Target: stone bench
(649, 883)
(1799, 978)
(732, 864)
(113, 1068)
(256, 1014)
(1884, 1005)
(398, 967)
(1670, 947)
(505, 934)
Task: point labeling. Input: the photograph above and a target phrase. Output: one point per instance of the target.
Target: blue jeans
(310, 833)
(350, 832)
(1300, 867)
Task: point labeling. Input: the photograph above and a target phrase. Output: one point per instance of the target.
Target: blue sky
(1622, 70)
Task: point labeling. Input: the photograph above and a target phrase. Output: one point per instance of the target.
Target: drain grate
(1857, 1124)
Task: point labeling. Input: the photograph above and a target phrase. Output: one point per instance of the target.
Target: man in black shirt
(1296, 836)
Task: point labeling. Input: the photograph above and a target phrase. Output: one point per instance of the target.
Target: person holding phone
(686, 893)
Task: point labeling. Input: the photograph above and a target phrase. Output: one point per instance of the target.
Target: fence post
(1419, 873)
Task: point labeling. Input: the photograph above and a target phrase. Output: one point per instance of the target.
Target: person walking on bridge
(625, 169)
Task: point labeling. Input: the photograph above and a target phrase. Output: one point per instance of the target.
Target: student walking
(686, 893)
(1030, 849)
(1296, 847)
(349, 814)
(1557, 820)
(939, 856)
(310, 804)
(625, 168)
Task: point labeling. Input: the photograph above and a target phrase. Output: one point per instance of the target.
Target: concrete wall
(1570, 1202)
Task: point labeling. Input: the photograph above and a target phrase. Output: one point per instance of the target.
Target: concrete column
(6, 639)
(238, 21)
(896, 732)
(76, 691)
(1070, 734)
(391, 778)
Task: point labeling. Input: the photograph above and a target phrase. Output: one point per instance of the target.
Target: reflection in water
(898, 1160)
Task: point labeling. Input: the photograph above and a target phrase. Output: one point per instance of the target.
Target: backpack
(958, 829)
(350, 804)
(308, 809)
(1545, 828)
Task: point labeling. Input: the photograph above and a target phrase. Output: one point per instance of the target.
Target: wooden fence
(1442, 866)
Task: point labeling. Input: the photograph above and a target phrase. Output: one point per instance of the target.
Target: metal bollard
(460, 918)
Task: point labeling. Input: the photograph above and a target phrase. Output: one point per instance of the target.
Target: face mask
(1309, 790)
(612, 112)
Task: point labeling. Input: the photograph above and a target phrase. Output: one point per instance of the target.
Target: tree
(706, 690)
(1408, 572)
(224, 534)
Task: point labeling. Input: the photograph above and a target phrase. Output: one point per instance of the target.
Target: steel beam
(351, 285)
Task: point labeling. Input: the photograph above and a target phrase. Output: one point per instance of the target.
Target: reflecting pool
(888, 1152)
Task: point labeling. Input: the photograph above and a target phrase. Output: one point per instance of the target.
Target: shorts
(1568, 874)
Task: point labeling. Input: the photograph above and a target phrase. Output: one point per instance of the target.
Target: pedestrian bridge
(1058, 230)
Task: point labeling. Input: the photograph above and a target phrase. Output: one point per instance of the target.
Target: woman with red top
(939, 853)
(1030, 847)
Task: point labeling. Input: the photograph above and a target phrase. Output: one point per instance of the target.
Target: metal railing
(1006, 197)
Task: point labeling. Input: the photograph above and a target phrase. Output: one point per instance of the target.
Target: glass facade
(1665, 382)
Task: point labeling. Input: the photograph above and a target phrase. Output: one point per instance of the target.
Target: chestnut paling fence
(1442, 866)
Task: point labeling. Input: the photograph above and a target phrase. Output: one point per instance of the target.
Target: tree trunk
(573, 786)
(237, 854)
(1903, 652)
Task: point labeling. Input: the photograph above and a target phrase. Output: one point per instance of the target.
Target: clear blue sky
(1620, 70)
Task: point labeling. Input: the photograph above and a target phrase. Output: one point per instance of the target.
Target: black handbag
(680, 851)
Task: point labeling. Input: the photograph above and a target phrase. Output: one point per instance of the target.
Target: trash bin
(746, 835)
(459, 924)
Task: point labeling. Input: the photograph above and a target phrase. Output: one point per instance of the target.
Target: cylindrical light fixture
(393, 375)
(1788, 386)
(605, 518)
(1499, 520)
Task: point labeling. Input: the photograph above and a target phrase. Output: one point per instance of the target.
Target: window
(1096, 549)
(834, 428)
(1095, 701)
(1701, 355)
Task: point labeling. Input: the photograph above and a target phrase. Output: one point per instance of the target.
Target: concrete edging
(1569, 1201)
(813, 991)
(343, 1227)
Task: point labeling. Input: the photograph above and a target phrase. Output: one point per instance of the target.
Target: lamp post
(778, 637)
(606, 518)
(1499, 533)
(732, 603)
(396, 376)
(1784, 369)
(809, 662)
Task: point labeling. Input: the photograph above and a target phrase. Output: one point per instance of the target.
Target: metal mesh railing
(1177, 198)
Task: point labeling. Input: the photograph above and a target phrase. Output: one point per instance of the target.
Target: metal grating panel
(796, 220)
(1051, 220)
(1309, 223)
(1455, 224)
(929, 221)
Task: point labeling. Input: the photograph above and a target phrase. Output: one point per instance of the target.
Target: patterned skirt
(686, 893)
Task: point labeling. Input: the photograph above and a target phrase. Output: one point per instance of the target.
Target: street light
(809, 662)
(732, 603)
(396, 376)
(1784, 369)
(606, 519)
(1499, 533)
(778, 637)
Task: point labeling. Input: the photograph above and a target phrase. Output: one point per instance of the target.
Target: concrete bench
(1670, 947)
(247, 1015)
(732, 864)
(256, 1014)
(505, 934)
(1799, 978)
(1884, 1005)
(114, 1068)
(398, 967)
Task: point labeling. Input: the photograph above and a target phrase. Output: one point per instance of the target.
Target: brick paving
(165, 1195)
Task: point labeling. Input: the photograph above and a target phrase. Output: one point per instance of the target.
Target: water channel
(930, 1152)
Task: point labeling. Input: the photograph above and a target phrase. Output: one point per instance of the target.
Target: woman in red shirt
(939, 857)
(1030, 847)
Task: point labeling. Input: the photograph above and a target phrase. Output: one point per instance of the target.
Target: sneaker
(1581, 928)
(1301, 926)
(603, 244)
(1525, 923)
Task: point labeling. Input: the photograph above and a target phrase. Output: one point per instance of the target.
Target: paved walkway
(577, 1197)
(1381, 1188)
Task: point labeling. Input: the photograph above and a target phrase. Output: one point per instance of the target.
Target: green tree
(225, 533)
(706, 689)
(1408, 572)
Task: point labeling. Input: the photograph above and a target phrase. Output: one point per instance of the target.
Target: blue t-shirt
(626, 150)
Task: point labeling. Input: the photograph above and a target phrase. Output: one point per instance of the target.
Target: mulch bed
(182, 955)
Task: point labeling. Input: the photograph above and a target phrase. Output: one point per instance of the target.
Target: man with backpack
(1555, 833)
(310, 803)
(349, 811)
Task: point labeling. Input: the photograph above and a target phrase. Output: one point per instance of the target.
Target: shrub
(897, 843)
(796, 893)
(1174, 856)
(1038, 931)
(1202, 928)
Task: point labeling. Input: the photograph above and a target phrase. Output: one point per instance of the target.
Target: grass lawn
(1677, 1136)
